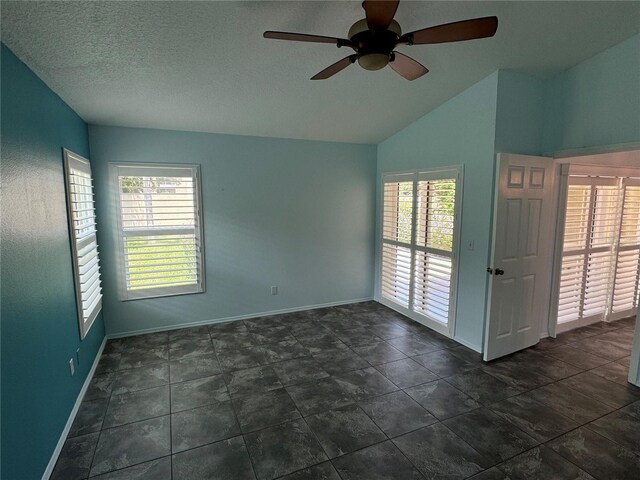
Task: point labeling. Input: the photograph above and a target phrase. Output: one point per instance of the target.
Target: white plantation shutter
(397, 233)
(434, 247)
(160, 227)
(599, 276)
(627, 272)
(601, 242)
(84, 245)
(577, 221)
(419, 236)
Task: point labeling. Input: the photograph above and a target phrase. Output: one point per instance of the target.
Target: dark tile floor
(355, 392)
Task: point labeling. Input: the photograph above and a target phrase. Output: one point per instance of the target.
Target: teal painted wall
(459, 132)
(38, 313)
(519, 114)
(296, 214)
(597, 102)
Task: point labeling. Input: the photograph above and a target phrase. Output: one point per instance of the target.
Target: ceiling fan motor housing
(374, 45)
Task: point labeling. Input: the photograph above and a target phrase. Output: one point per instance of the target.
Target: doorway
(591, 283)
(600, 243)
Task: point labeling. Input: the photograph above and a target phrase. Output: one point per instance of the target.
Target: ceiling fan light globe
(395, 28)
(373, 61)
(358, 27)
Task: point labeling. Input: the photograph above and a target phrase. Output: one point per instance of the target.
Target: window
(160, 230)
(419, 237)
(601, 251)
(84, 245)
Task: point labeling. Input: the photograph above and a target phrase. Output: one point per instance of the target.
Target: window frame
(157, 169)
(73, 160)
(438, 173)
(589, 177)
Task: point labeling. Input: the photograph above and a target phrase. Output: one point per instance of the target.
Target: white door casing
(522, 254)
(568, 300)
(419, 244)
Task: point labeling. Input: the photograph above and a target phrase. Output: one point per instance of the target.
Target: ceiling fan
(375, 38)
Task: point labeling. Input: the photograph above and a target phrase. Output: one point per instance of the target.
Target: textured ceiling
(204, 66)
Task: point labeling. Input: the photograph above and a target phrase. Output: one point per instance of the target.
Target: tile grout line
(244, 440)
(375, 396)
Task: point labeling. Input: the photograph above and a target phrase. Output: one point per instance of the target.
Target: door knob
(498, 271)
(489, 270)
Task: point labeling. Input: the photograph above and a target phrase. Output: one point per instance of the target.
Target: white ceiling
(204, 66)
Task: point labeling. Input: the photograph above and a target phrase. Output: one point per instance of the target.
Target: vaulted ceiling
(204, 66)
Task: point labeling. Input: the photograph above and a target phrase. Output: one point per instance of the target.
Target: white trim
(72, 416)
(587, 151)
(236, 317)
(416, 175)
(620, 170)
(634, 361)
(421, 319)
(118, 169)
(568, 326)
(601, 170)
(71, 161)
(560, 193)
(619, 160)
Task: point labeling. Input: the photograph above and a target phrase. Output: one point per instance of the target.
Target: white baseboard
(72, 416)
(235, 318)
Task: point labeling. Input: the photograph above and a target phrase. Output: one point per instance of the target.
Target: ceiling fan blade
(303, 37)
(407, 66)
(335, 68)
(453, 32)
(380, 12)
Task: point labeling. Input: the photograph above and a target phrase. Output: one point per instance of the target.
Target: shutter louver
(604, 228)
(434, 226)
(82, 218)
(625, 295)
(432, 286)
(396, 274)
(571, 292)
(630, 229)
(161, 231)
(398, 211)
(626, 288)
(577, 217)
(597, 283)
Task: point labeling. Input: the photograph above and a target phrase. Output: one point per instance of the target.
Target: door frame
(449, 330)
(620, 162)
(619, 156)
(491, 257)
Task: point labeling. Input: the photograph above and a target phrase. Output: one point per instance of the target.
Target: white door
(522, 256)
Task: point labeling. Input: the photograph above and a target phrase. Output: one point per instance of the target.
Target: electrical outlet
(274, 290)
(72, 367)
(470, 245)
